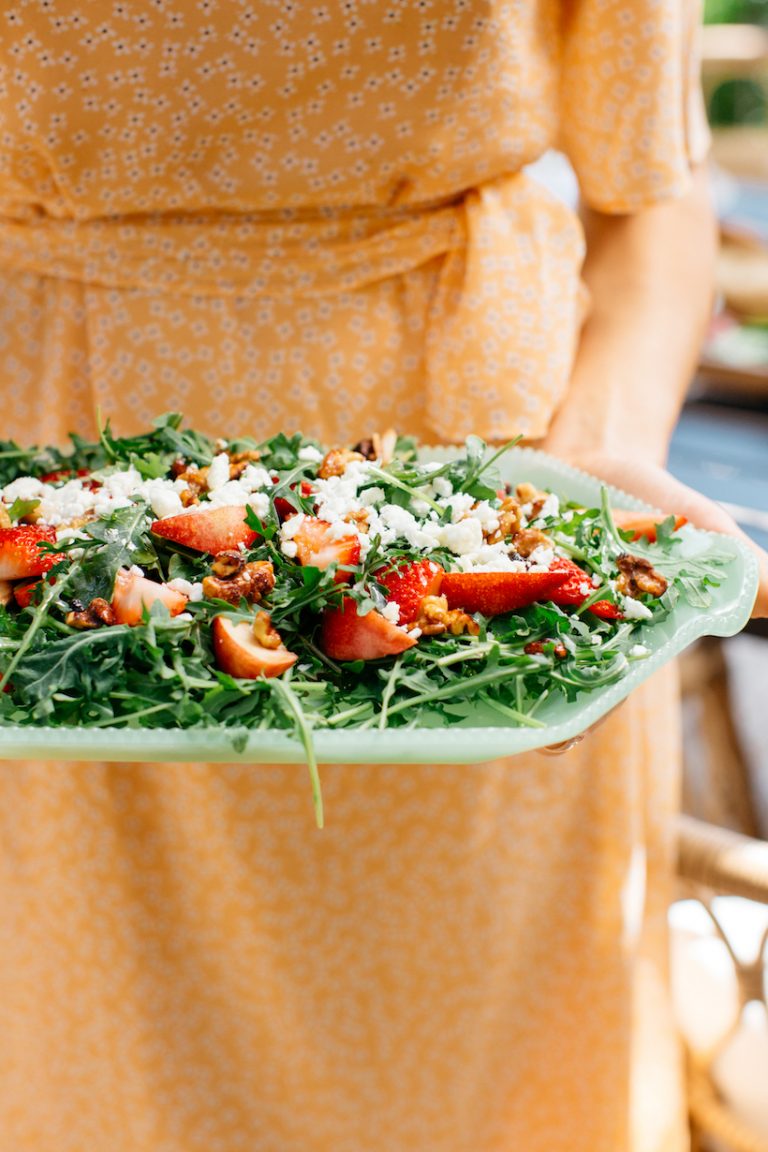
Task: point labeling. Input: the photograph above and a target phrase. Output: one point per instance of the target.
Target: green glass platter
(480, 737)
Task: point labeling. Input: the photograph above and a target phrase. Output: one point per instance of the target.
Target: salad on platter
(167, 580)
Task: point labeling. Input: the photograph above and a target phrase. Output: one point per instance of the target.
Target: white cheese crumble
(638, 651)
(218, 472)
(310, 455)
(193, 592)
(635, 609)
(391, 612)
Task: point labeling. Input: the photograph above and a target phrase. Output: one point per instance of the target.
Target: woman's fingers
(657, 487)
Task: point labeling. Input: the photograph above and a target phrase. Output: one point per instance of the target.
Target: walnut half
(638, 576)
(435, 618)
(98, 614)
(251, 582)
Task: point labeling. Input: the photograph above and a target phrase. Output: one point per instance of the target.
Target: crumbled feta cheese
(254, 477)
(441, 486)
(23, 488)
(310, 455)
(259, 501)
(414, 633)
(289, 548)
(135, 570)
(218, 472)
(391, 612)
(638, 651)
(491, 558)
(193, 592)
(635, 609)
(460, 505)
(370, 496)
(541, 559)
(163, 499)
(231, 492)
(292, 526)
(466, 536)
(585, 588)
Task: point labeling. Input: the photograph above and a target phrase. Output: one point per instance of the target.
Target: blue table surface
(723, 452)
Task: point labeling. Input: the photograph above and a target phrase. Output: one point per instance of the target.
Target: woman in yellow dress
(316, 215)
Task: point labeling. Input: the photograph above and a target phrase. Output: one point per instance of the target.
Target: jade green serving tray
(479, 738)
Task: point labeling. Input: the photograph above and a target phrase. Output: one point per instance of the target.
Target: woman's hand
(654, 484)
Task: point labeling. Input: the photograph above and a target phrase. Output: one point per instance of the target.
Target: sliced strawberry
(283, 507)
(213, 530)
(606, 611)
(495, 592)
(68, 474)
(239, 654)
(643, 523)
(347, 636)
(19, 552)
(407, 585)
(134, 593)
(24, 593)
(572, 590)
(317, 545)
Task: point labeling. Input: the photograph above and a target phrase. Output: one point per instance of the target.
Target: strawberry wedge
(495, 592)
(213, 530)
(347, 636)
(20, 555)
(572, 591)
(133, 593)
(317, 545)
(643, 523)
(408, 584)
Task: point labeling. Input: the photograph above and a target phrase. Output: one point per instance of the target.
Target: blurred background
(719, 938)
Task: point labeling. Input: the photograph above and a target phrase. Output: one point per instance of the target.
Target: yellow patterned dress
(315, 214)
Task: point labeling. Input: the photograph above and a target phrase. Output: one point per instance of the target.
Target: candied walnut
(361, 517)
(435, 618)
(196, 478)
(509, 521)
(527, 540)
(536, 647)
(335, 462)
(251, 583)
(239, 461)
(188, 498)
(264, 631)
(529, 494)
(638, 576)
(178, 467)
(98, 614)
(228, 564)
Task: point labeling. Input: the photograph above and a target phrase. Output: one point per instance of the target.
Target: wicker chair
(712, 862)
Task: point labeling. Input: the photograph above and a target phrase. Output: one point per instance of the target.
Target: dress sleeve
(632, 114)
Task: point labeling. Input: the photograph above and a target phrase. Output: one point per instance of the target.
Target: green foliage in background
(736, 12)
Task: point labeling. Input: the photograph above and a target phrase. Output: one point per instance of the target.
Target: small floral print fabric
(283, 215)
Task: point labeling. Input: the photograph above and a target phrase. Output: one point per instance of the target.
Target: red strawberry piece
(347, 636)
(409, 583)
(24, 593)
(20, 555)
(606, 611)
(134, 593)
(239, 654)
(495, 592)
(572, 591)
(283, 507)
(63, 474)
(213, 530)
(317, 544)
(643, 523)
